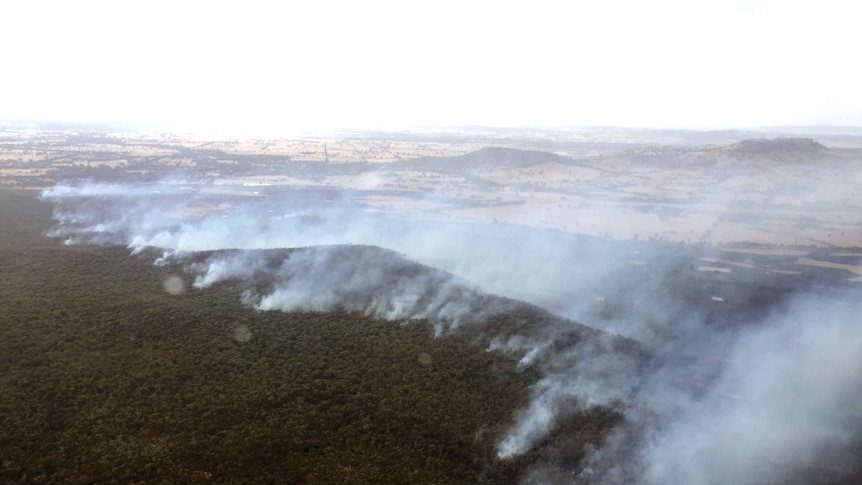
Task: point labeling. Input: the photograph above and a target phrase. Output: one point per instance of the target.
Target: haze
(646, 305)
(269, 69)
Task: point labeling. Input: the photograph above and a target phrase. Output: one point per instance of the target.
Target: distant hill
(760, 151)
(488, 157)
(751, 151)
(779, 148)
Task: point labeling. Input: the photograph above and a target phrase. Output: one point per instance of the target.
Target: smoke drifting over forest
(753, 398)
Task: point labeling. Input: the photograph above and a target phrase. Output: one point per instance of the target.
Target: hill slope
(106, 376)
(489, 157)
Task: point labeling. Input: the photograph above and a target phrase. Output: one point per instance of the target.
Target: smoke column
(746, 404)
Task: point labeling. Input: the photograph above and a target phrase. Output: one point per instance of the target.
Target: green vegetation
(107, 377)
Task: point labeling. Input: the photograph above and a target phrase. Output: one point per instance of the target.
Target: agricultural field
(789, 192)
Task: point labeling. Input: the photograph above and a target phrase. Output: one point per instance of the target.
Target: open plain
(728, 189)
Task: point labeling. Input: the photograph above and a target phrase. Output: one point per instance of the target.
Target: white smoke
(709, 404)
(375, 282)
(785, 399)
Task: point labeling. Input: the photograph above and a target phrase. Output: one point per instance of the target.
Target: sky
(275, 66)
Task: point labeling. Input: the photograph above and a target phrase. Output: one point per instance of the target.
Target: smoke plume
(755, 397)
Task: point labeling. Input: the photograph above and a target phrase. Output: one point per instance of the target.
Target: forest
(180, 311)
(106, 377)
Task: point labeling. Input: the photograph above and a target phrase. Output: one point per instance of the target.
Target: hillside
(314, 355)
(777, 147)
(106, 376)
(488, 157)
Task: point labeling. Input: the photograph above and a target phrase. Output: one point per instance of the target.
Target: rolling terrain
(412, 315)
(110, 373)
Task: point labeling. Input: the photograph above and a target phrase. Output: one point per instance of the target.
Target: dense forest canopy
(107, 376)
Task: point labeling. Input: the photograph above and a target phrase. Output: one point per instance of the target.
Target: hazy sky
(273, 66)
